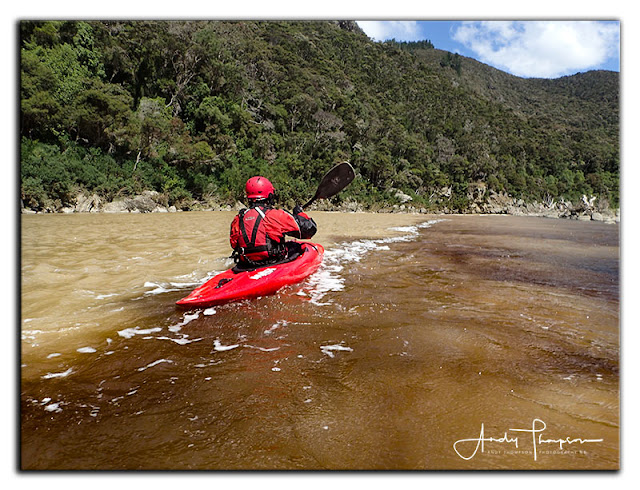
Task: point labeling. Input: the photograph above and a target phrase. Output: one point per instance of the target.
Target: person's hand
(297, 209)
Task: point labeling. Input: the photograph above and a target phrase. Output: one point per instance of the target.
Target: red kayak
(240, 283)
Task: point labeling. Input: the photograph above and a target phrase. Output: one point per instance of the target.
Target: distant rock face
(142, 204)
(147, 202)
(500, 203)
(402, 197)
(115, 207)
(88, 204)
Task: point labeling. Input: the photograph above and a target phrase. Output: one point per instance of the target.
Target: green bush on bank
(192, 109)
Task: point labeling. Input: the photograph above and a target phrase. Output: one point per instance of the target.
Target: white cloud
(380, 30)
(546, 49)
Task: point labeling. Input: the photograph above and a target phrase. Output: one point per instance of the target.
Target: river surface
(423, 342)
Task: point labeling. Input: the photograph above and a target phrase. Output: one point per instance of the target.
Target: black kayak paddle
(333, 182)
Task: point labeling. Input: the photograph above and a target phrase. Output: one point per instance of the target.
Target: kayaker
(258, 233)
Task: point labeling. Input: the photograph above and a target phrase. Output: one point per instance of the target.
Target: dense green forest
(191, 109)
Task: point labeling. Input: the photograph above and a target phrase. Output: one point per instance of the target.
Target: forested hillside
(191, 109)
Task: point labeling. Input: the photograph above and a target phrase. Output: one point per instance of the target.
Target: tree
(191, 106)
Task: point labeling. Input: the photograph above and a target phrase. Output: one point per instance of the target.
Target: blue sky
(529, 48)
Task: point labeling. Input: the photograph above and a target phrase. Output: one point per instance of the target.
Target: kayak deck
(235, 285)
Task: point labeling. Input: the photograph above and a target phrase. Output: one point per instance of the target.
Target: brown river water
(423, 342)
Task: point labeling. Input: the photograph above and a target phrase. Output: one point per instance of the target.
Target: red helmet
(259, 188)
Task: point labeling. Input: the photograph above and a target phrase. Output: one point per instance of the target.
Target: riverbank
(481, 203)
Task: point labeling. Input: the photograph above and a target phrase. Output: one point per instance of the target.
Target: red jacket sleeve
(281, 223)
(234, 234)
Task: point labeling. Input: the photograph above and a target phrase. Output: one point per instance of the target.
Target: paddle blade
(334, 181)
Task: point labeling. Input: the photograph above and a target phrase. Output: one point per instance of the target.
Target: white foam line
(328, 349)
(104, 296)
(190, 280)
(219, 347)
(328, 279)
(278, 324)
(58, 375)
(405, 229)
(159, 289)
(184, 284)
(181, 341)
(155, 363)
(263, 349)
(185, 319)
(30, 334)
(128, 333)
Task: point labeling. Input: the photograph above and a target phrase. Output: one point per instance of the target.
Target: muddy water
(457, 342)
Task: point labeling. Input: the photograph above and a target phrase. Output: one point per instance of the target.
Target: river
(423, 342)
